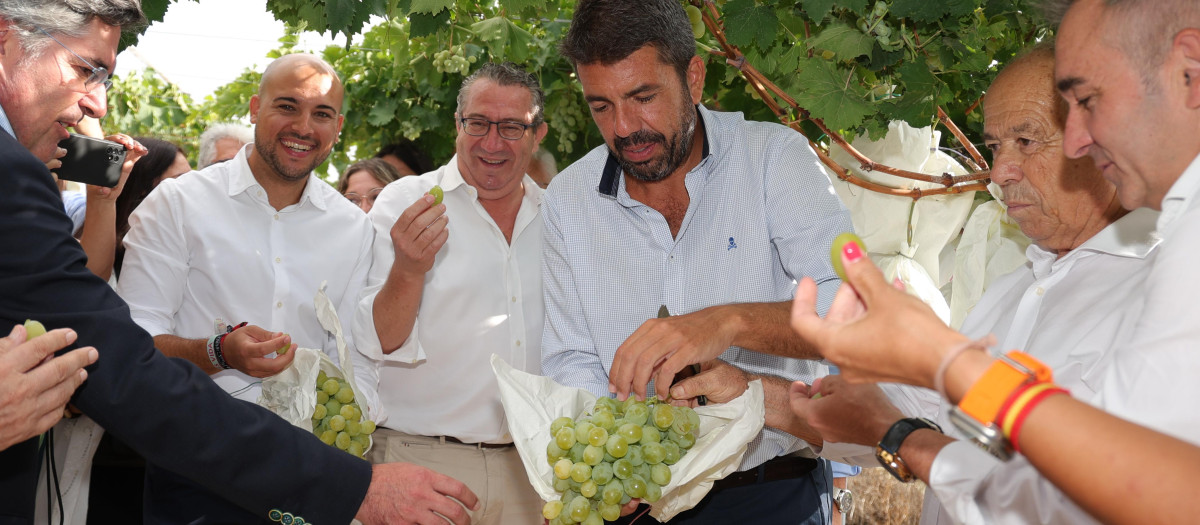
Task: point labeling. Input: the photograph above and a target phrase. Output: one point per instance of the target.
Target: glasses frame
(357, 198)
(524, 127)
(100, 74)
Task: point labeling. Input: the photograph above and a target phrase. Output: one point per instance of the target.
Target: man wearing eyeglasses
(167, 410)
(439, 303)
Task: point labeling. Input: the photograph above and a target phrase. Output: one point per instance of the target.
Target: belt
(449, 439)
(780, 468)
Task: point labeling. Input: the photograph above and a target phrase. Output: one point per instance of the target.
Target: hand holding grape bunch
(622, 451)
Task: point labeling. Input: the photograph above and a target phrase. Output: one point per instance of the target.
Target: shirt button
(518, 342)
(279, 304)
(1041, 291)
(514, 299)
(276, 216)
(278, 260)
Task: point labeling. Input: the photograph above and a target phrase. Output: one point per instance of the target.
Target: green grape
(349, 412)
(609, 403)
(559, 424)
(328, 437)
(610, 511)
(653, 492)
(692, 416)
(604, 419)
(553, 452)
(608, 458)
(333, 406)
(617, 446)
(663, 416)
(597, 436)
(581, 472)
(344, 394)
(320, 412)
(582, 428)
(632, 432)
(673, 453)
(602, 473)
(552, 509)
(653, 453)
(622, 469)
(592, 455)
(635, 456)
(331, 386)
(321, 377)
(637, 414)
(368, 427)
(880, 8)
(651, 434)
(593, 519)
(642, 471)
(612, 493)
(342, 440)
(576, 452)
(437, 193)
(696, 18)
(579, 507)
(355, 449)
(562, 469)
(835, 251)
(337, 423)
(562, 485)
(588, 489)
(322, 397)
(565, 438)
(363, 441)
(686, 441)
(353, 428)
(635, 486)
(660, 474)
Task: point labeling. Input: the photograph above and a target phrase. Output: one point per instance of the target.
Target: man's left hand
(844, 412)
(718, 382)
(662, 347)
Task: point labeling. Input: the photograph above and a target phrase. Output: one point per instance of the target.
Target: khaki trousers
(495, 475)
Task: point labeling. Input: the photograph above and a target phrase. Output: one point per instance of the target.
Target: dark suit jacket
(167, 409)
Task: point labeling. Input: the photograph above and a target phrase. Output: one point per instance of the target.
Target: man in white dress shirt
(1072, 306)
(242, 247)
(440, 303)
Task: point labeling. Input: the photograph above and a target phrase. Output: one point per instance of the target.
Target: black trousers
(805, 500)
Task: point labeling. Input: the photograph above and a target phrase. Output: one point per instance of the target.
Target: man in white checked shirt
(702, 212)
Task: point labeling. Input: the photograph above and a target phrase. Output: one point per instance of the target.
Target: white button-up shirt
(208, 247)
(1073, 313)
(761, 215)
(483, 296)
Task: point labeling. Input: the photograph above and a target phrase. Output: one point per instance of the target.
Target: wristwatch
(888, 450)
(986, 436)
(844, 499)
(976, 413)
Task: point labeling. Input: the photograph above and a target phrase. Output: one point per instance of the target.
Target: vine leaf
(830, 94)
(503, 38)
(846, 43)
(339, 13)
(383, 112)
(747, 22)
(516, 6)
(430, 7)
(423, 24)
(817, 9)
(926, 11)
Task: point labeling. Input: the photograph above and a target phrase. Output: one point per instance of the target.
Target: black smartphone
(91, 161)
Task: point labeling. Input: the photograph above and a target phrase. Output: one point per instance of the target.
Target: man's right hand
(35, 385)
(246, 348)
(405, 494)
(418, 234)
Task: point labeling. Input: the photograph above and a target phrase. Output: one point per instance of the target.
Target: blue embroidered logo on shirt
(732, 244)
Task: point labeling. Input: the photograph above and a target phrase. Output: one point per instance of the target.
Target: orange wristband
(985, 398)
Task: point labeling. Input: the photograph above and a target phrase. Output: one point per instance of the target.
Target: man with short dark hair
(441, 303)
(406, 158)
(54, 68)
(703, 213)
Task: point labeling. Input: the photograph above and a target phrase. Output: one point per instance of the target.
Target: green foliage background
(856, 64)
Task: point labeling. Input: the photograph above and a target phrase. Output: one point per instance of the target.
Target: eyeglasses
(99, 76)
(357, 199)
(478, 127)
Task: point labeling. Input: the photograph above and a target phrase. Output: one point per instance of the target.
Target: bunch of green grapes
(623, 450)
(565, 116)
(453, 60)
(337, 419)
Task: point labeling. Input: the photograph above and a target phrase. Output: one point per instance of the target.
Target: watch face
(844, 500)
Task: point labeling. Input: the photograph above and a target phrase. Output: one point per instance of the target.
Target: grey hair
(608, 31)
(507, 74)
(1143, 31)
(66, 17)
(208, 140)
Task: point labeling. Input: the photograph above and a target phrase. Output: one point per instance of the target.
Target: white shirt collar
(1179, 198)
(242, 179)
(1133, 235)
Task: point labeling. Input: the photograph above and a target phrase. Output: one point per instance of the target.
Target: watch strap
(985, 398)
(888, 450)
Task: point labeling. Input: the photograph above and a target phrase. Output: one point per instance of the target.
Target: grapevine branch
(771, 94)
